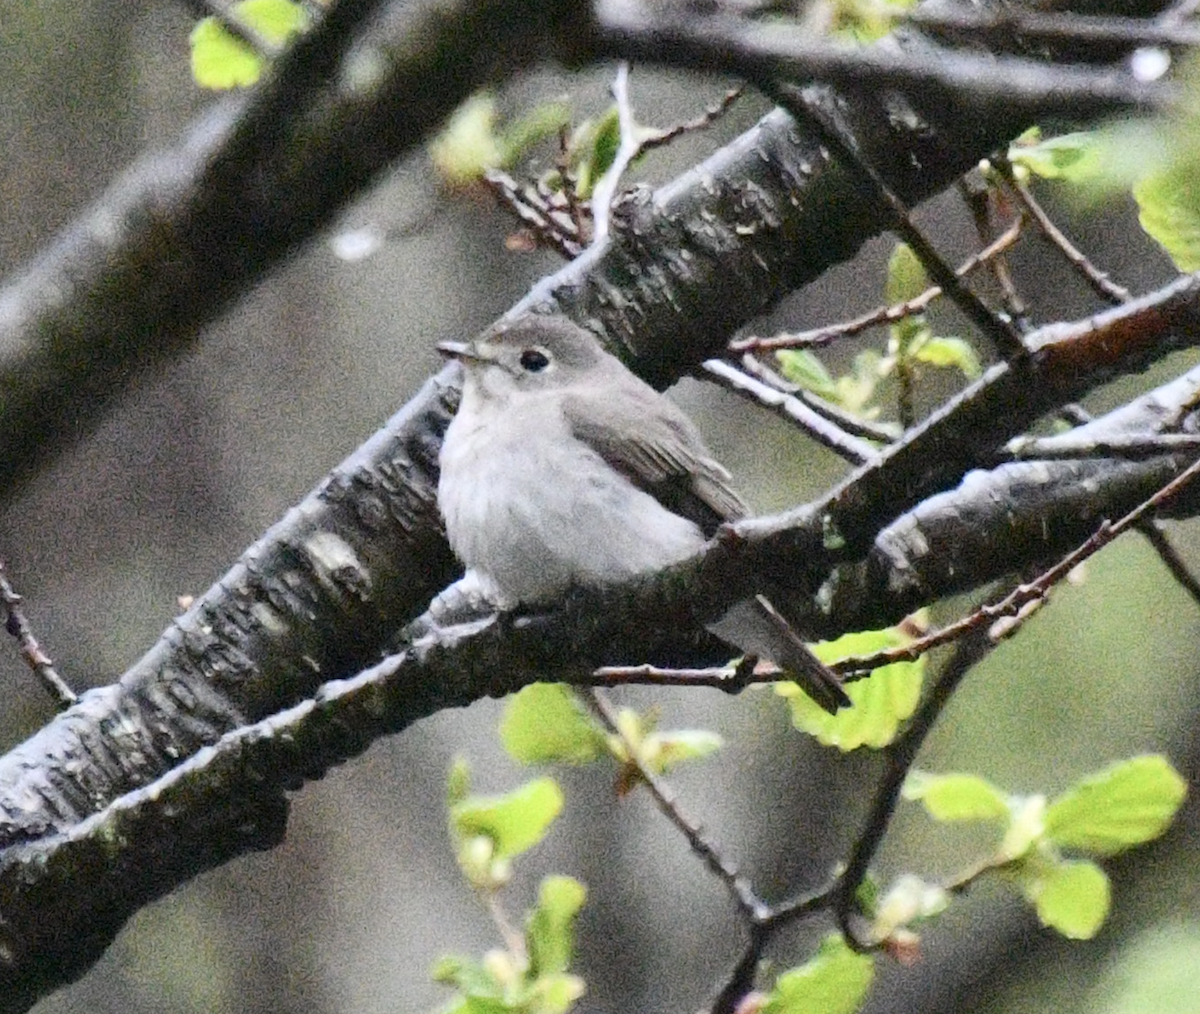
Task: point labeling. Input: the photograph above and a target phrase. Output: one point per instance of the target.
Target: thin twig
(883, 314)
(792, 409)
(745, 898)
(705, 120)
(552, 225)
(980, 202)
(1101, 284)
(899, 757)
(18, 626)
(1000, 331)
(606, 187)
(1016, 606)
(1175, 564)
(880, 433)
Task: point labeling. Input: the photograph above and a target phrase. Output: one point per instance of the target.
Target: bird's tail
(757, 628)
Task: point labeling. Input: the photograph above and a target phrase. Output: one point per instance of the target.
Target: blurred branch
(185, 231)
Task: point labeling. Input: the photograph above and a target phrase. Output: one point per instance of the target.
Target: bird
(561, 468)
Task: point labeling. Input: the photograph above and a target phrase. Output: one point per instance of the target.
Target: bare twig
(849, 447)
(1000, 331)
(980, 201)
(1016, 606)
(706, 119)
(732, 679)
(883, 314)
(550, 221)
(739, 889)
(627, 151)
(18, 626)
(1101, 284)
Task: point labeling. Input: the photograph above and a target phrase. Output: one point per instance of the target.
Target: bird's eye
(534, 360)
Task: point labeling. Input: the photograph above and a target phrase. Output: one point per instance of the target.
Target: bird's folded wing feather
(659, 452)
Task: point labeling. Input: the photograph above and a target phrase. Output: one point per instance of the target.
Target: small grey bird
(562, 468)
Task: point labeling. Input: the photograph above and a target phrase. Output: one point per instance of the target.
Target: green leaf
(834, 982)
(544, 723)
(950, 353)
(515, 821)
(465, 974)
(1127, 804)
(1169, 211)
(906, 278)
(662, 751)
(275, 20)
(880, 702)
(957, 796)
(550, 932)
(1072, 157)
(1071, 897)
(219, 60)
(802, 367)
(593, 148)
(544, 120)
(468, 144)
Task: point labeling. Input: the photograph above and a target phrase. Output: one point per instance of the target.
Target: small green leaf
(1072, 157)
(906, 278)
(219, 60)
(834, 982)
(880, 702)
(1169, 211)
(950, 353)
(544, 120)
(275, 20)
(957, 796)
(544, 722)
(554, 994)
(1071, 897)
(468, 144)
(1127, 804)
(907, 335)
(593, 148)
(550, 932)
(465, 974)
(802, 367)
(515, 821)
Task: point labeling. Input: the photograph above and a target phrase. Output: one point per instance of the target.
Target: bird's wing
(654, 445)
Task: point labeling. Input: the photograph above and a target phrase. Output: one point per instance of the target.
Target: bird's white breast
(534, 511)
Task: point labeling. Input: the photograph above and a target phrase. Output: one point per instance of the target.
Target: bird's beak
(463, 351)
